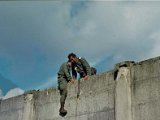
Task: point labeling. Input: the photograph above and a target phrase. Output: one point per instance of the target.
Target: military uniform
(82, 67)
(63, 78)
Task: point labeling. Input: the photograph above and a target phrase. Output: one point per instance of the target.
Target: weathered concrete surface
(123, 95)
(12, 109)
(96, 101)
(129, 92)
(146, 90)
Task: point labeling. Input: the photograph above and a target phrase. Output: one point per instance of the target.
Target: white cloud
(13, 92)
(97, 31)
(116, 29)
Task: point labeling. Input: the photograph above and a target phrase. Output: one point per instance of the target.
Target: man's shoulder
(64, 64)
(81, 58)
(83, 61)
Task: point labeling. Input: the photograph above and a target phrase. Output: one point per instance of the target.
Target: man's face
(73, 59)
(69, 64)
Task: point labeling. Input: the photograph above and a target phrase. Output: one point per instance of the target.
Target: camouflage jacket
(64, 72)
(82, 67)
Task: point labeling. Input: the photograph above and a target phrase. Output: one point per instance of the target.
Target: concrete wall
(12, 109)
(129, 92)
(146, 90)
(96, 101)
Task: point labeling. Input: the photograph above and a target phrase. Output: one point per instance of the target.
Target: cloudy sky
(36, 37)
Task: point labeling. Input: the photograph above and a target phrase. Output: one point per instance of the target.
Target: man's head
(73, 58)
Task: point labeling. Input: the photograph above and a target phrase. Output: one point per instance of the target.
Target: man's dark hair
(71, 55)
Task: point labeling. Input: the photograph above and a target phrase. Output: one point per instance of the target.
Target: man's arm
(67, 73)
(86, 66)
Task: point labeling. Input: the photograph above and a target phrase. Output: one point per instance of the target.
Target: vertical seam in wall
(131, 87)
(115, 99)
(78, 93)
(77, 99)
(34, 109)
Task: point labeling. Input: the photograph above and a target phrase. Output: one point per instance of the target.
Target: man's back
(85, 65)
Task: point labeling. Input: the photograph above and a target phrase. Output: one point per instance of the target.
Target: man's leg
(63, 93)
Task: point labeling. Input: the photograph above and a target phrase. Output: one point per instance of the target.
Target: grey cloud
(118, 28)
(36, 37)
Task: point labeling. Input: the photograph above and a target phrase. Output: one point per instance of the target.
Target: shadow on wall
(105, 114)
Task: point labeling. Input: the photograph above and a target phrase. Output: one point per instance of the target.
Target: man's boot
(62, 110)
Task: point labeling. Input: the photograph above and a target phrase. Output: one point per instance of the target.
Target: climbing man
(64, 77)
(80, 65)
